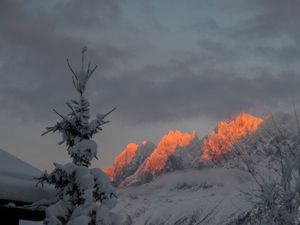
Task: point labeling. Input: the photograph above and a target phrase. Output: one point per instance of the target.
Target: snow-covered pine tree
(84, 196)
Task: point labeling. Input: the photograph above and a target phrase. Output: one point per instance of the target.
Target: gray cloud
(88, 13)
(214, 94)
(33, 60)
(162, 65)
(142, 96)
(273, 18)
(187, 85)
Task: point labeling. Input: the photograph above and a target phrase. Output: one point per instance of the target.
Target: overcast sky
(165, 64)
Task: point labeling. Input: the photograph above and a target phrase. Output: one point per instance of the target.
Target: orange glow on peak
(121, 161)
(227, 133)
(166, 147)
(110, 172)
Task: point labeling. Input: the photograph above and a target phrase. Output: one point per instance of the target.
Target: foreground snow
(207, 196)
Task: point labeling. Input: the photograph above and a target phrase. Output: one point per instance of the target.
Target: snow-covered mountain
(176, 150)
(228, 132)
(129, 160)
(223, 192)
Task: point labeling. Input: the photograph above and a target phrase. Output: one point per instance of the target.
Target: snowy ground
(210, 195)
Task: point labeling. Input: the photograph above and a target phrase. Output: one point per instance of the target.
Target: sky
(165, 64)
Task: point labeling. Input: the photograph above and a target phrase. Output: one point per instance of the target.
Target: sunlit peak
(121, 161)
(166, 147)
(227, 133)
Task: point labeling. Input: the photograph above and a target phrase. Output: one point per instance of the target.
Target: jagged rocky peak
(173, 147)
(121, 161)
(127, 162)
(228, 132)
(165, 148)
(178, 151)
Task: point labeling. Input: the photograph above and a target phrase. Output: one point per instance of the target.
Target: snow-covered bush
(276, 172)
(84, 196)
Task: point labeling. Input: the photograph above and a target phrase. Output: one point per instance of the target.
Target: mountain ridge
(178, 150)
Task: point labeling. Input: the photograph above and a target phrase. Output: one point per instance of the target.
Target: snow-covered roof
(17, 180)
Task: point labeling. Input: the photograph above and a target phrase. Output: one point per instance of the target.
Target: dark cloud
(149, 12)
(216, 80)
(272, 18)
(33, 59)
(70, 13)
(87, 13)
(215, 95)
(165, 65)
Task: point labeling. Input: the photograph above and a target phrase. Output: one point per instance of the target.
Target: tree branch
(109, 112)
(70, 67)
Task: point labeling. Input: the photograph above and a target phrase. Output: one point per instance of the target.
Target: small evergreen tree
(84, 196)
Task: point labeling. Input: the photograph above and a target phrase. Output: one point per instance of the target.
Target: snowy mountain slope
(18, 180)
(16, 167)
(186, 197)
(184, 158)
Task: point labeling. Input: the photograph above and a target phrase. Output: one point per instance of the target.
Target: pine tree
(84, 195)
